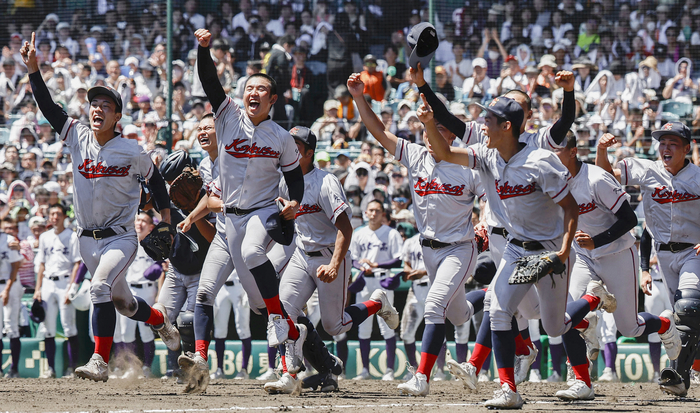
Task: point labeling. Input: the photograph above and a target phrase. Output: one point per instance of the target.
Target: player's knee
(687, 309)
(554, 329)
(253, 255)
(125, 306)
(333, 328)
(205, 295)
(100, 291)
(501, 320)
(434, 313)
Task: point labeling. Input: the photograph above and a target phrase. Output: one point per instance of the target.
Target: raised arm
(369, 118)
(438, 144)
(51, 111)
(601, 155)
(565, 80)
(441, 113)
(207, 70)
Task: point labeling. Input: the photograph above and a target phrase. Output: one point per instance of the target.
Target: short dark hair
(286, 39)
(377, 202)
(570, 139)
(207, 116)
(64, 210)
(273, 83)
(528, 101)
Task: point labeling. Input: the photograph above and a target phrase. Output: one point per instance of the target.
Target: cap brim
(657, 134)
(424, 61)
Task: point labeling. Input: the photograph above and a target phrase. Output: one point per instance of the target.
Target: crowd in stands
(633, 60)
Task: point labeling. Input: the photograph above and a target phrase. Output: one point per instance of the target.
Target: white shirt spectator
(464, 68)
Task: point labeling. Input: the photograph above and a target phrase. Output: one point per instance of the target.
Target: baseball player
(605, 253)
(527, 183)
(375, 249)
(143, 275)
(322, 262)
(232, 297)
(449, 250)
(58, 258)
(658, 297)
(252, 150)
(11, 294)
(545, 138)
(671, 197)
(106, 189)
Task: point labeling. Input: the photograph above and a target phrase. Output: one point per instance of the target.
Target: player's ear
(273, 99)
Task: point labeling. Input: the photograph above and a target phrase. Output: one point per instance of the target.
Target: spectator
(444, 86)
(346, 106)
(478, 85)
(458, 69)
(340, 48)
(376, 85)
(278, 66)
(681, 85)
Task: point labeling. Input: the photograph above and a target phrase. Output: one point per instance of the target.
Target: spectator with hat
(376, 86)
(478, 85)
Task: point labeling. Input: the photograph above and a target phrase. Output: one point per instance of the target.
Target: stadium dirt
(154, 395)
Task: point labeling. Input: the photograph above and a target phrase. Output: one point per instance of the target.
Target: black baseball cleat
(672, 383)
(324, 382)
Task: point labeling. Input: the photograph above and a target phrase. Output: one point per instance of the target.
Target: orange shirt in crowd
(374, 84)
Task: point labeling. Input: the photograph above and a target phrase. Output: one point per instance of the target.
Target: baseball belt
(527, 245)
(141, 285)
(2, 282)
(500, 231)
(56, 277)
(436, 245)
(99, 234)
(316, 253)
(422, 284)
(229, 283)
(675, 246)
(239, 211)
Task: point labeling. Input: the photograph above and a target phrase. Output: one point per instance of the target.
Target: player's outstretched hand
(290, 209)
(565, 79)
(416, 75)
(203, 37)
(646, 282)
(424, 112)
(37, 295)
(356, 86)
(606, 141)
(327, 273)
(28, 52)
(185, 224)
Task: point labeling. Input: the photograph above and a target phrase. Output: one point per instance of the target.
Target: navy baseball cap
(304, 134)
(423, 41)
(106, 91)
(673, 128)
(506, 108)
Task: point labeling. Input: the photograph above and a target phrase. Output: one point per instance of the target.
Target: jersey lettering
(308, 209)
(509, 191)
(241, 150)
(100, 170)
(366, 247)
(423, 188)
(586, 208)
(664, 196)
(52, 250)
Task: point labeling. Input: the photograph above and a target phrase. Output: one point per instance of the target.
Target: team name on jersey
(423, 188)
(4, 255)
(506, 190)
(415, 256)
(91, 170)
(308, 209)
(242, 150)
(368, 246)
(586, 208)
(664, 196)
(52, 250)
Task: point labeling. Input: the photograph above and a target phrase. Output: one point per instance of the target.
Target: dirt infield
(74, 395)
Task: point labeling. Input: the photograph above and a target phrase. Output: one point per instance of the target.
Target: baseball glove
(531, 268)
(186, 189)
(159, 242)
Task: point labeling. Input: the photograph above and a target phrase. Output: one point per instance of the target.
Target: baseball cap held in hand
(423, 41)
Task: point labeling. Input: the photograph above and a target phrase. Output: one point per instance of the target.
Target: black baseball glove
(531, 268)
(159, 242)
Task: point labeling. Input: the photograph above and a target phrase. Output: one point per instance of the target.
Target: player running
(605, 252)
(671, 197)
(322, 262)
(58, 259)
(107, 194)
(443, 197)
(522, 185)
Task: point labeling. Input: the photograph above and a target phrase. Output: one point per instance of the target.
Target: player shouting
(252, 151)
(671, 197)
(522, 184)
(605, 252)
(107, 195)
(443, 197)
